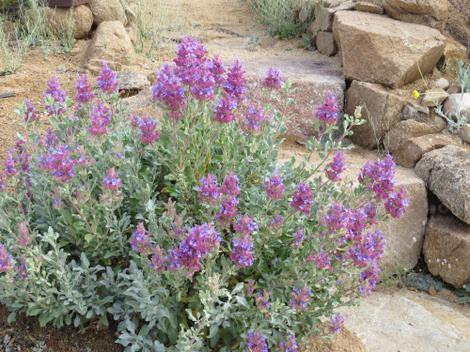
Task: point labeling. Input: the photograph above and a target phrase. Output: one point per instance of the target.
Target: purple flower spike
(378, 176)
(254, 120)
(235, 84)
(5, 259)
(30, 112)
(83, 90)
(245, 225)
(322, 261)
(140, 240)
(299, 236)
(112, 180)
(209, 191)
(299, 298)
(290, 345)
(397, 202)
(55, 98)
(107, 80)
(336, 323)
(262, 301)
(59, 163)
(273, 79)
(10, 163)
(190, 60)
(225, 110)
(255, 342)
(100, 117)
(274, 187)
(169, 90)
(230, 185)
(157, 262)
(228, 210)
(328, 112)
(217, 69)
(336, 167)
(242, 252)
(148, 129)
(203, 87)
(302, 199)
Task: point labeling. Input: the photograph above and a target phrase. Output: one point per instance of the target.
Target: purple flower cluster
(242, 251)
(59, 163)
(30, 113)
(255, 342)
(83, 91)
(290, 345)
(217, 69)
(112, 180)
(299, 298)
(228, 210)
(5, 259)
(140, 240)
(302, 199)
(235, 85)
(10, 163)
(225, 110)
(368, 249)
(107, 79)
(336, 323)
(169, 90)
(190, 60)
(55, 98)
(262, 301)
(49, 139)
(245, 225)
(396, 203)
(200, 241)
(322, 261)
(274, 187)
(299, 236)
(273, 79)
(336, 167)
(100, 118)
(148, 129)
(254, 120)
(157, 261)
(328, 112)
(277, 222)
(208, 189)
(230, 185)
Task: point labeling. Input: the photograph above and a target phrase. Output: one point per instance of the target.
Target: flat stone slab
(408, 321)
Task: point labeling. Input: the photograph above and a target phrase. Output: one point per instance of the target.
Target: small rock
(433, 13)
(381, 50)
(326, 43)
(111, 43)
(464, 133)
(454, 52)
(107, 10)
(81, 16)
(442, 83)
(434, 97)
(132, 81)
(458, 105)
(415, 112)
(446, 172)
(368, 7)
(410, 152)
(447, 249)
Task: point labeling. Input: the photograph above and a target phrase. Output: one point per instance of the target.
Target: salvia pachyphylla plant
(187, 231)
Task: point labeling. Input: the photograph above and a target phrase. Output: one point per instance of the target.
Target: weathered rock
(345, 341)
(409, 322)
(459, 20)
(311, 74)
(458, 105)
(111, 43)
(410, 152)
(407, 129)
(415, 111)
(434, 97)
(446, 172)
(326, 14)
(326, 43)
(80, 18)
(132, 81)
(107, 10)
(139, 103)
(441, 83)
(381, 50)
(380, 107)
(464, 133)
(371, 7)
(455, 52)
(433, 13)
(447, 249)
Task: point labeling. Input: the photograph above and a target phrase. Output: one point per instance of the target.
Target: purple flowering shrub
(187, 230)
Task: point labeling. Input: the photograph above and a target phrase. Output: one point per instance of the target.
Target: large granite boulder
(446, 172)
(433, 13)
(447, 249)
(80, 17)
(107, 10)
(382, 50)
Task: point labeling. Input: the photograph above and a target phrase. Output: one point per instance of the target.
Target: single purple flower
(274, 187)
(112, 180)
(255, 342)
(336, 167)
(235, 84)
(230, 185)
(273, 79)
(242, 251)
(328, 112)
(83, 91)
(225, 110)
(302, 199)
(336, 323)
(107, 80)
(209, 191)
